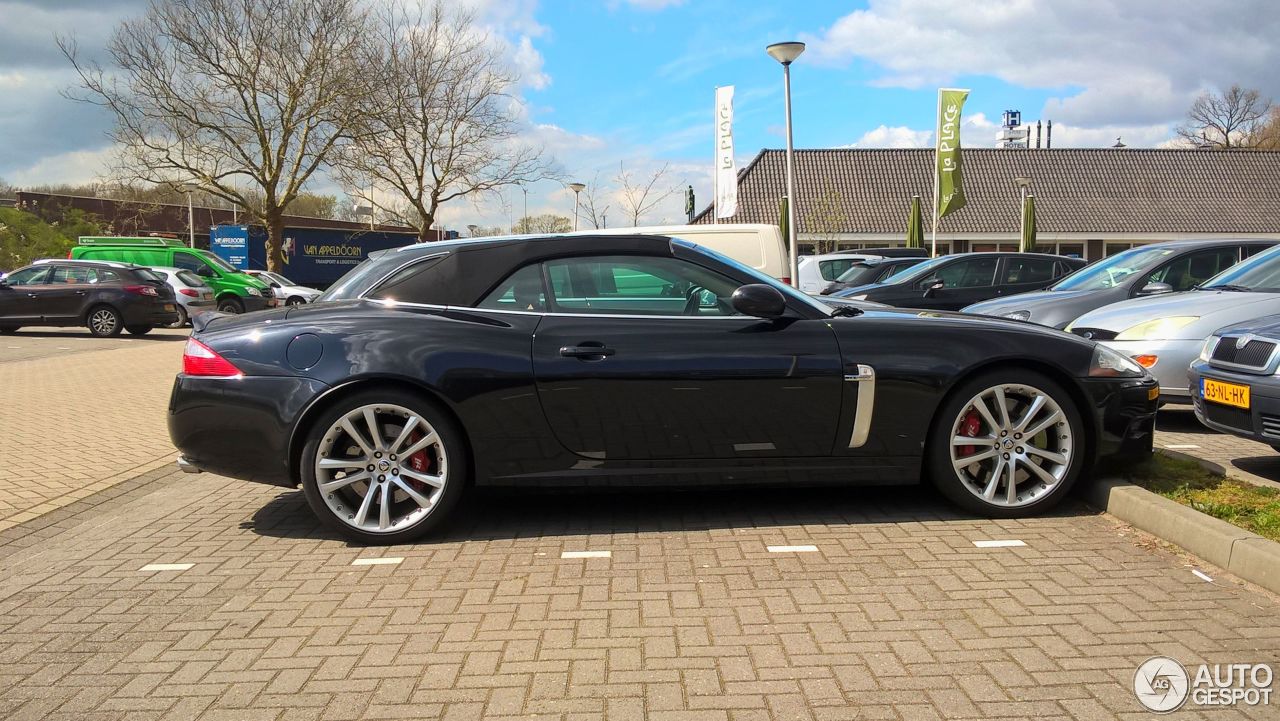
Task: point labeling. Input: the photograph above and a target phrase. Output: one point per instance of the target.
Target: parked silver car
(1165, 333)
(192, 294)
(288, 292)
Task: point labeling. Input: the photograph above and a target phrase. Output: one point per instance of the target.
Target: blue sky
(631, 82)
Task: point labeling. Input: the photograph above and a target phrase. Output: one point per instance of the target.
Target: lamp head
(785, 53)
(577, 187)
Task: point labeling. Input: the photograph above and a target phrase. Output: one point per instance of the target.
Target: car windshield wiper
(1227, 286)
(846, 311)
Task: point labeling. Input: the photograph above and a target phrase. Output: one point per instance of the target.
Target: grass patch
(1253, 508)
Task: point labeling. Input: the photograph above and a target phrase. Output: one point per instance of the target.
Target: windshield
(757, 275)
(916, 271)
(222, 264)
(859, 274)
(1110, 272)
(279, 279)
(1261, 274)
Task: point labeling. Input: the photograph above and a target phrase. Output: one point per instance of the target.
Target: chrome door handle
(586, 352)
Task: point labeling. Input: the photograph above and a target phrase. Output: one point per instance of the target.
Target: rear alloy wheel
(384, 472)
(104, 321)
(295, 300)
(182, 318)
(1008, 444)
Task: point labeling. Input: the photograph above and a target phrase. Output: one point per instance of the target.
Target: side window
(107, 276)
(1251, 250)
(1192, 269)
(638, 285)
(29, 276)
(1027, 270)
(832, 269)
(191, 263)
(73, 275)
(969, 273)
(522, 290)
(418, 282)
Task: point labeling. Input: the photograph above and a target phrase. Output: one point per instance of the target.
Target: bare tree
(825, 220)
(593, 209)
(641, 196)
(231, 96)
(1228, 120)
(444, 124)
(545, 223)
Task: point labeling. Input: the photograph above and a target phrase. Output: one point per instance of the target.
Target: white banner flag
(726, 177)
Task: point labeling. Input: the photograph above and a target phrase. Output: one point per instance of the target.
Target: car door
(642, 358)
(1022, 274)
(965, 281)
(63, 298)
(20, 293)
(1190, 269)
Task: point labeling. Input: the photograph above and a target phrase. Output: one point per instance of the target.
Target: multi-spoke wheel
(104, 321)
(383, 467)
(1006, 444)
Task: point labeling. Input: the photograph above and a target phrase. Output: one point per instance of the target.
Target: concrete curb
(1247, 555)
(1209, 466)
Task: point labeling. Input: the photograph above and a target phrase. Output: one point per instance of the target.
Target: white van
(758, 245)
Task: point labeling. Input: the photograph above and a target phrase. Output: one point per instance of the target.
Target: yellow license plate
(1228, 394)
(168, 306)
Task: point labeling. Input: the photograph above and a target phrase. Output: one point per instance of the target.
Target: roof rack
(155, 240)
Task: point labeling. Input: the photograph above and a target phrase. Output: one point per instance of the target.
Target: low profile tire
(9, 329)
(231, 305)
(139, 329)
(295, 300)
(1007, 444)
(182, 318)
(384, 467)
(104, 321)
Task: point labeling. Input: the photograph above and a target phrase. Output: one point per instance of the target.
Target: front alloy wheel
(382, 472)
(104, 322)
(1011, 445)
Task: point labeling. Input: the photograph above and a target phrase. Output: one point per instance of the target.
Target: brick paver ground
(80, 414)
(1177, 429)
(895, 616)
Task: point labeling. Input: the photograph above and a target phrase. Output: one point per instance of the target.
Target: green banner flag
(950, 190)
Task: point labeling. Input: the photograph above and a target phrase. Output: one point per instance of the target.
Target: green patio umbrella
(915, 225)
(1027, 244)
(783, 222)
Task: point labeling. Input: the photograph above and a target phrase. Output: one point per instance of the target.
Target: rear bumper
(1124, 415)
(148, 311)
(239, 427)
(1259, 422)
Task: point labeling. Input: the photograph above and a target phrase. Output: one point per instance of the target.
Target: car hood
(1214, 308)
(1025, 301)
(1267, 326)
(970, 320)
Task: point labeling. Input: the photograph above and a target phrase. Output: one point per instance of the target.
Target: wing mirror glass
(759, 300)
(1155, 289)
(275, 284)
(933, 287)
(4, 280)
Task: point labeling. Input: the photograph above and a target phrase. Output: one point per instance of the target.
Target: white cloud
(1130, 63)
(898, 136)
(79, 166)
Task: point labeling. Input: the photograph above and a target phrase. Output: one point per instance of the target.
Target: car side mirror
(275, 284)
(759, 300)
(1155, 289)
(4, 280)
(933, 287)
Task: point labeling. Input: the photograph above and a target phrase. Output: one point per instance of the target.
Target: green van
(234, 290)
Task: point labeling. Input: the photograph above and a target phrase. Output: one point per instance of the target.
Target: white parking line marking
(587, 554)
(1201, 575)
(1181, 447)
(999, 544)
(388, 561)
(166, 566)
(793, 549)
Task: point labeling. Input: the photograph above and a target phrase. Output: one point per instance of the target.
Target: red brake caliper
(969, 427)
(420, 461)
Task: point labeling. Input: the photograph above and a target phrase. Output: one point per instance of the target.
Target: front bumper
(1173, 357)
(1259, 422)
(1124, 416)
(239, 427)
(257, 302)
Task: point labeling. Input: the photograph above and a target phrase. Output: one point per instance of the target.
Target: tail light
(189, 292)
(142, 290)
(786, 280)
(199, 359)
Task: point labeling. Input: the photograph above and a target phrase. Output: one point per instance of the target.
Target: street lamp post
(191, 215)
(1023, 184)
(576, 188)
(525, 218)
(786, 53)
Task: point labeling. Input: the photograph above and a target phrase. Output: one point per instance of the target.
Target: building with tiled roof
(1089, 202)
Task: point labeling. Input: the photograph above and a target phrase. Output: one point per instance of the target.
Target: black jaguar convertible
(609, 360)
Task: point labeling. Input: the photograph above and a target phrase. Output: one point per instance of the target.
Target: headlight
(1018, 315)
(1158, 329)
(858, 297)
(1210, 343)
(1108, 363)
